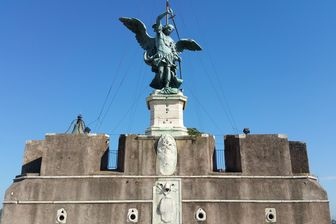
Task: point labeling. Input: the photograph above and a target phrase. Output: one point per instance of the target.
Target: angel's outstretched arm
(158, 19)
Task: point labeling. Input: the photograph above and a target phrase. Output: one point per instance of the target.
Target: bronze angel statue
(161, 52)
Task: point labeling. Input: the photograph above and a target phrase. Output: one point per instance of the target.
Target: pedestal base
(157, 131)
(166, 114)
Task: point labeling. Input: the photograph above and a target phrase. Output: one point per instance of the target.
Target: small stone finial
(79, 127)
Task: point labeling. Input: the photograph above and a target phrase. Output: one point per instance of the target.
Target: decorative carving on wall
(61, 216)
(270, 215)
(166, 207)
(167, 202)
(132, 215)
(166, 155)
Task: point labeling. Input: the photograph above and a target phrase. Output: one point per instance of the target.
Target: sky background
(268, 65)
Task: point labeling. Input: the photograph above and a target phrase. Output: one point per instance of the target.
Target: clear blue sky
(268, 65)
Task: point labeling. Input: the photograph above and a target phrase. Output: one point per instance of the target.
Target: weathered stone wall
(73, 154)
(63, 154)
(299, 157)
(32, 159)
(254, 213)
(73, 177)
(258, 154)
(138, 155)
(86, 188)
(76, 213)
(107, 199)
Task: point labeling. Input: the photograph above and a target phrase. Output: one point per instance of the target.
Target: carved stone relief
(167, 201)
(166, 155)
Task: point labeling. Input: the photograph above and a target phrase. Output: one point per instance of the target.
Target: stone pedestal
(166, 114)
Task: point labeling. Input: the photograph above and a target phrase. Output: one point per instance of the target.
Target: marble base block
(166, 114)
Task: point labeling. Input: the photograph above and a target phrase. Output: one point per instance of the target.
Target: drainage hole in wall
(61, 218)
(200, 215)
(270, 216)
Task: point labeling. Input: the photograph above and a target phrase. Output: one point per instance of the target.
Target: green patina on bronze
(161, 52)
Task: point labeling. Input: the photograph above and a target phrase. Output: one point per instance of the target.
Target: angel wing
(187, 44)
(136, 26)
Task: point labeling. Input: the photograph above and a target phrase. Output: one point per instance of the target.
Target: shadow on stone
(32, 167)
(104, 161)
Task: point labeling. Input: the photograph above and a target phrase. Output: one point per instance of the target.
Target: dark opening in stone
(270, 216)
(132, 216)
(61, 218)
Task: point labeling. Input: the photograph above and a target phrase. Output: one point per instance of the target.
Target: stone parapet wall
(65, 154)
(258, 154)
(137, 155)
(69, 182)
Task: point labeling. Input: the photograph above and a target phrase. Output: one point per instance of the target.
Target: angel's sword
(167, 8)
(180, 69)
(178, 35)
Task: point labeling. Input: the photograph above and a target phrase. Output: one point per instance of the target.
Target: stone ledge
(172, 177)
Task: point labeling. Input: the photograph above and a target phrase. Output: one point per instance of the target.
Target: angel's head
(168, 29)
